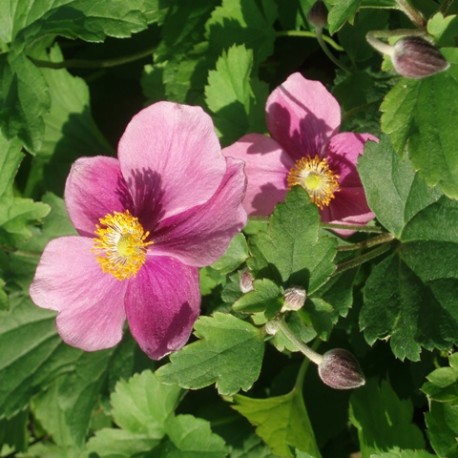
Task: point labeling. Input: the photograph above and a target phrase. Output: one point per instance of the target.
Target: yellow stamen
(120, 245)
(315, 176)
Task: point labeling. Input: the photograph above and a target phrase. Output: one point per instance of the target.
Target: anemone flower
(146, 221)
(304, 149)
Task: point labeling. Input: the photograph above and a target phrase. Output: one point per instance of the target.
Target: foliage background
(72, 74)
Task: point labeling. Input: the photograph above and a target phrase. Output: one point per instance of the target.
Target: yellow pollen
(120, 244)
(315, 176)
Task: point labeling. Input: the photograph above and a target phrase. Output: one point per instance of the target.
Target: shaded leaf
(383, 420)
(420, 115)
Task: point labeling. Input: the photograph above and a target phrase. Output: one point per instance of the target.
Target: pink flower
(146, 221)
(304, 149)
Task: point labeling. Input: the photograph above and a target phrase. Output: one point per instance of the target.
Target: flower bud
(272, 327)
(318, 15)
(414, 57)
(293, 299)
(246, 281)
(340, 369)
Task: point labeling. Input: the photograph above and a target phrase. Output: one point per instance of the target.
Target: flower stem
(373, 38)
(412, 13)
(83, 63)
(358, 260)
(325, 49)
(308, 34)
(377, 240)
(352, 227)
(303, 348)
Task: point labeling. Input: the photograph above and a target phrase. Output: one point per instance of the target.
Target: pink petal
(348, 207)
(200, 235)
(171, 159)
(162, 303)
(266, 167)
(94, 188)
(302, 115)
(90, 303)
(342, 153)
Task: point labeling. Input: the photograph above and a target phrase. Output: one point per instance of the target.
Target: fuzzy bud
(340, 369)
(246, 281)
(414, 57)
(318, 15)
(293, 299)
(272, 327)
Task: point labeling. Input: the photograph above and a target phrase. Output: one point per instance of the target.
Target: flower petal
(342, 153)
(94, 188)
(302, 115)
(348, 207)
(171, 159)
(90, 303)
(266, 167)
(200, 235)
(162, 303)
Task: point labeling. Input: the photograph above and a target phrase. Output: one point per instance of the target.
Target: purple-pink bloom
(146, 221)
(306, 149)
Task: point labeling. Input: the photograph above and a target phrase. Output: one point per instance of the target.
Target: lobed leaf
(420, 116)
(281, 421)
(295, 244)
(229, 353)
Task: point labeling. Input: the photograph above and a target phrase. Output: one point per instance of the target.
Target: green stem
(83, 63)
(377, 240)
(352, 227)
(304, 349)
(325, 49)
(373, 38)
(412, 13)
(308, 34)
(358, 260)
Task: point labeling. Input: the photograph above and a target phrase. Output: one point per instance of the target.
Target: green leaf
(442, 419)
(142, 404)
(65, 408)
(281, 421)
(341, 12)
(410, 294)
(118, 443)
(442, 429)
(266, 296)
(397, 453)
(398, 194)
(26, 21)
(419, 115)
(24, 99)
(236, 254)
(70, 130)
(295, 244)
(236, 100)
(13, 432)
(243, 22)
(229, 353)
(37, 357)
(383, 420)
(190, 437)
(442, 384)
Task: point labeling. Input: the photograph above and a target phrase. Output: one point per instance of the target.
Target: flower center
(315, 176)
(120, 245)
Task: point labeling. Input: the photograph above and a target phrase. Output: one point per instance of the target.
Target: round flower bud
(293, 299)
(246, 281)
(272, 327)
(318, 15)
(415, 57)
(340, 369)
